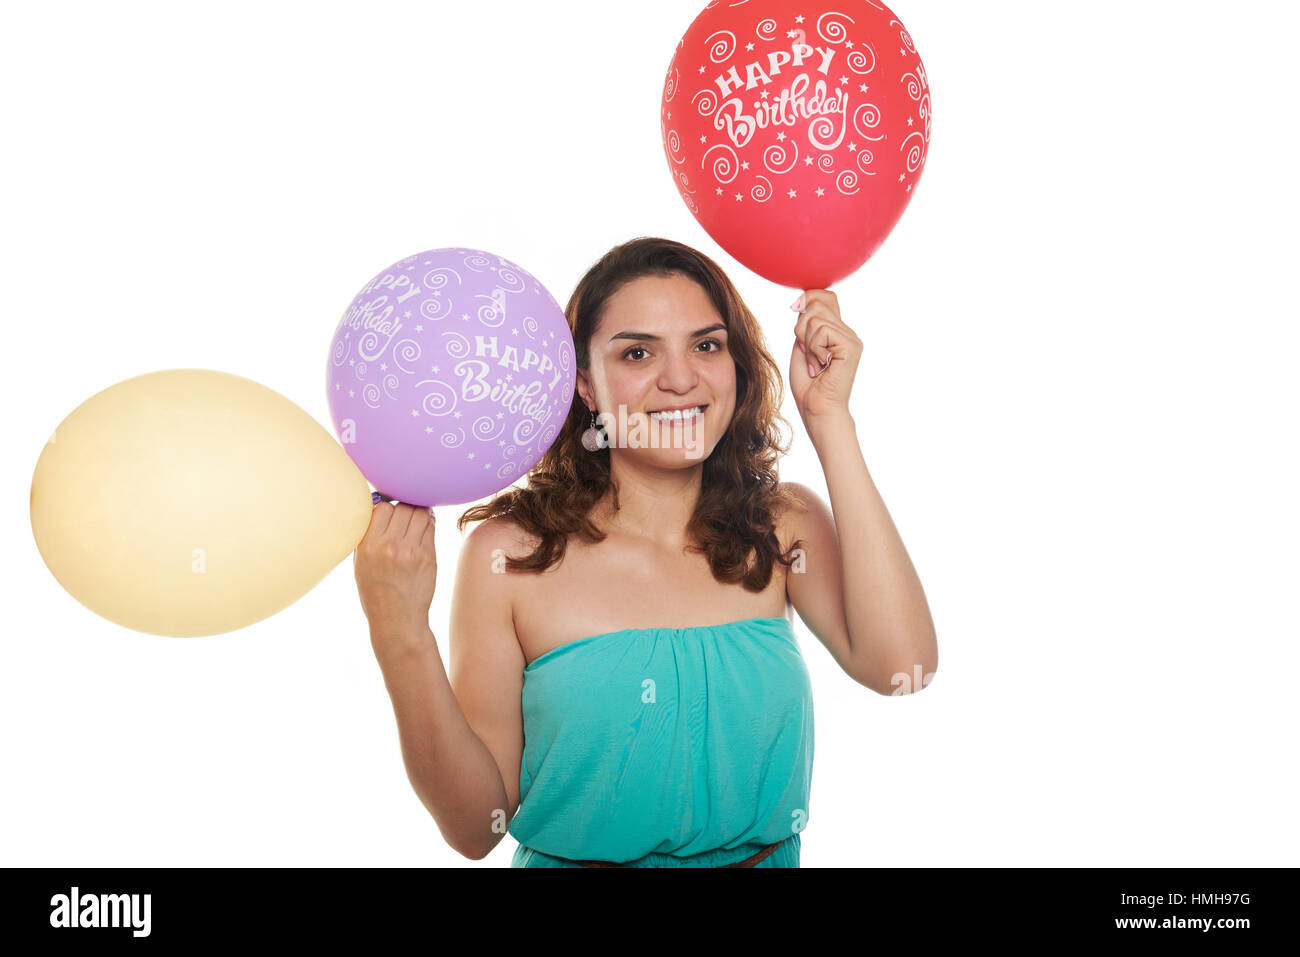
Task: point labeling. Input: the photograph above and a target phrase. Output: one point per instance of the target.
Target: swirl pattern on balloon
(435, 310)
(822, 134)
(437, 278)
(774, 157)
(903, 36)
(705, 102)
(373, 344)
(487, 427)
(493, 312)
(675, 147)
(726, 165)
(524, 431)
(832, 30)
(440, 399)
(860, 63)
(866, 118)
(915, 85)
(722, 49)
(915, 152)
(457, 346)
(407, 351)
(510, 280)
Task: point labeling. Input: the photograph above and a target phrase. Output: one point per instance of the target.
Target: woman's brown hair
(733, 522)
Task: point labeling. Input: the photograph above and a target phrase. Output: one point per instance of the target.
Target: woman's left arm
(858, 590)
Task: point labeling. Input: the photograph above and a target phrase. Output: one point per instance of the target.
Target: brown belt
(747, 862)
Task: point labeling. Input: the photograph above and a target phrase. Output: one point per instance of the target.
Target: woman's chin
(683, 450)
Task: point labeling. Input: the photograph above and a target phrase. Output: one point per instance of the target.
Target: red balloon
(796, 132)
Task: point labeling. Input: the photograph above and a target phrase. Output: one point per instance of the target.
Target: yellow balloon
(192, 502)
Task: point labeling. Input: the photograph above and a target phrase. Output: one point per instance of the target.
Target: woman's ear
(584, 390)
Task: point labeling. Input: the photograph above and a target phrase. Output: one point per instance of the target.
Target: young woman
(625, 685)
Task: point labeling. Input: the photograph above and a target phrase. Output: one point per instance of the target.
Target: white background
(1077, 399)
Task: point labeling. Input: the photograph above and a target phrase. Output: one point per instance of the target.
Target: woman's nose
(678, 373)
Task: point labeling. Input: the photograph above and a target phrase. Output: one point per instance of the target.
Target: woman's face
(661, 345)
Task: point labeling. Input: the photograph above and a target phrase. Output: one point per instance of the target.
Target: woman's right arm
(458, 751)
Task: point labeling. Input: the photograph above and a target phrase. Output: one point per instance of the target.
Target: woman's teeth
(676, 416)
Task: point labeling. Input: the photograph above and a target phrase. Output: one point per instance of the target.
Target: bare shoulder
(799, 501)
(484, 586)
(802, 497)
(498, 537)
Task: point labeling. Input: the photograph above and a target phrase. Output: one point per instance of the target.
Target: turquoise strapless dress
(666, 747)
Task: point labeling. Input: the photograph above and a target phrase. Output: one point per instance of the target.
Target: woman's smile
(678, 416)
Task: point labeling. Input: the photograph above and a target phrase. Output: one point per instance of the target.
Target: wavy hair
(733, 521)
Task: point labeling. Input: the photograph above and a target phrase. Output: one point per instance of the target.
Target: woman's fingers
(410, 522)
(396, 520)
(820, 337)
(822, 305)
(381, 516)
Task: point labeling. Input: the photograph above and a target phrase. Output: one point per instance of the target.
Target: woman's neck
(654, 504)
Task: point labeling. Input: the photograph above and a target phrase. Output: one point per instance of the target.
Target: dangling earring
(594, 438)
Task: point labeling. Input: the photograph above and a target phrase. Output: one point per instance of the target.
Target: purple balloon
(449, 376)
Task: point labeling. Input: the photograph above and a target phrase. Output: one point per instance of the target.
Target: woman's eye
(631, 353)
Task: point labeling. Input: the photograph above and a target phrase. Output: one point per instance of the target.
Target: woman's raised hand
(396, 567)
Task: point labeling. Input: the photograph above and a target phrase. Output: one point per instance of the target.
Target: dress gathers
(666, 747)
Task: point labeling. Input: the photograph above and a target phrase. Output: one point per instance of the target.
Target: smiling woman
(681, 499)
(694, 344)
(625, 685)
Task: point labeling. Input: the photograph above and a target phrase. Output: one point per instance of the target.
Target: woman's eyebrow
(649, 338)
